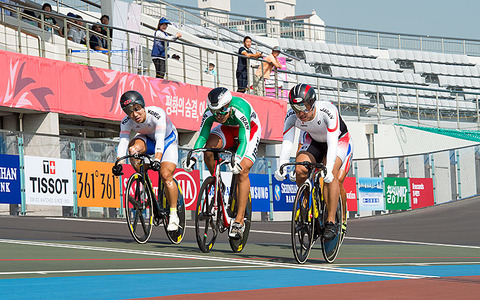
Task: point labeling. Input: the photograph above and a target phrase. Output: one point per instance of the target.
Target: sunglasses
(222, 111)
(301, 108)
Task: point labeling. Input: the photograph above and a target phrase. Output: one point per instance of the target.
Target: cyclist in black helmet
(155, 135)
(324, 138)
(237, 120)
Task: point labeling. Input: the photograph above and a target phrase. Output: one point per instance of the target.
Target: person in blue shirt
(159, 44)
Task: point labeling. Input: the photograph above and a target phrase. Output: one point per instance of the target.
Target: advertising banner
(421, 192)
(189, 183)
(370, 194)
(396, 193)
(350, 185)
(10, 185)
(48, 181)
(259, 192)
(283, 194)
(94, 93)
(96, 185)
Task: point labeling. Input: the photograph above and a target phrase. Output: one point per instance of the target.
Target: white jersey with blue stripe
(157, 127)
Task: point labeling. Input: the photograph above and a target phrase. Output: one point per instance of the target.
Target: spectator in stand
(48, 19)
(31, 14)
(160, 43)
(211, 69)
(76, 33)
(242, 66)
(97, 42)
(264, 70)
(105, 19)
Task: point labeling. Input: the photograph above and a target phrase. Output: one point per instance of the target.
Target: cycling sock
(173, 210)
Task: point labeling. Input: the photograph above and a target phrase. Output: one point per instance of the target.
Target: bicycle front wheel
(330, 248)
(302, 225)
(175, 237)
(206, 216)
(138, 209)
(238, 245)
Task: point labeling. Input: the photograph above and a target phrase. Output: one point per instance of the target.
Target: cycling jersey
(157, 127)
(327, 126)
(242, 116)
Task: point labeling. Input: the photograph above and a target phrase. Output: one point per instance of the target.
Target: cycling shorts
(229, 134)
(170, 149)
(319, 150)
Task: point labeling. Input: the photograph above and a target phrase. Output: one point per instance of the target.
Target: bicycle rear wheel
(138, 209)
(238, 245)
(302, 225)
(330, 248)
(206, 217)
(175, 237)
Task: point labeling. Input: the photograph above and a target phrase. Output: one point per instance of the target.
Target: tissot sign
(48, 181)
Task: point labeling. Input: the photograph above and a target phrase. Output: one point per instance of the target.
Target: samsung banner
(48, 181)
(370, 194)
(10, 179)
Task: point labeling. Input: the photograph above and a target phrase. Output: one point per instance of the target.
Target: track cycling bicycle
(143, 209)
(215, 213)
(309, 215)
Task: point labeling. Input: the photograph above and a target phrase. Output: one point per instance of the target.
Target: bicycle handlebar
(309, 165)
(214, 150)
(135, 156)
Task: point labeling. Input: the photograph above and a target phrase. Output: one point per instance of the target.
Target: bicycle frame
(219, 197)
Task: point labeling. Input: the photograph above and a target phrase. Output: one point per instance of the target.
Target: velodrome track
(430, 253)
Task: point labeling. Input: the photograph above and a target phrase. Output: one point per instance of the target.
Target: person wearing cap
(264, 70)
(75, 32)
(160, 43)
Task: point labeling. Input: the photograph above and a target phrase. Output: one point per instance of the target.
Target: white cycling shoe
(173, 224)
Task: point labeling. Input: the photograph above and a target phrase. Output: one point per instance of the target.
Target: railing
(357, 100)
(455, 172)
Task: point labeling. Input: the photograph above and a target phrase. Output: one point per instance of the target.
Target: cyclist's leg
(214, 141)
(310, 151)
(331, 191)
(243, 189)
(137, 145)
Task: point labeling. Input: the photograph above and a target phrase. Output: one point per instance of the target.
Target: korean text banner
(421, 192)
(48, 181)
(10, 179)
(370, 194)
(94, 93)
(396, 193)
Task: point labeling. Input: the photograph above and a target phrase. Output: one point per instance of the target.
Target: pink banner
(421, 192)
(41, 84)
(350, 186)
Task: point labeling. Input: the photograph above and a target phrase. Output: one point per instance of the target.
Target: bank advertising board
(370, 194)
(10, 191)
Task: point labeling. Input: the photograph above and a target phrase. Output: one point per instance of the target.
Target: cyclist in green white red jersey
(237, 119)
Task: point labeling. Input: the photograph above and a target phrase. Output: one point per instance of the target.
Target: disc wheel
(175, 237)
(238, 245)
(330, 248)
(138, 209)
(302, 225)
(206, 216)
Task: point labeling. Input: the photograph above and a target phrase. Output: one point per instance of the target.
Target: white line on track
(288, 233)
(218, 259)
(122, 270)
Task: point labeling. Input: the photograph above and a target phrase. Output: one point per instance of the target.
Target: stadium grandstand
(400, 94)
